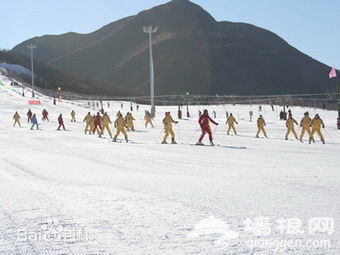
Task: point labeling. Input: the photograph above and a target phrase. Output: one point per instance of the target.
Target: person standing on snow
(73, 116)
(45, 115)
(120, 125)
(316, 125)
(261, 123)
(97, 124)
(148, 119)
(129, 122)
(167, 122)
(16, 118)
(34, 121)
(231, 124)
(61, 122)
(251, 116)
(87, 119)
(29, 116)
(105, 123)
(204, 121)
(305, 125)
(290, 126)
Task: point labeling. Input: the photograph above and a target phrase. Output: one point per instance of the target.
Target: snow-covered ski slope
(64, 192)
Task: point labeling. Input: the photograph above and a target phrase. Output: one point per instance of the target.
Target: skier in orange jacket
(231, 124)
(129, 122)
(87, 119)
(148, 119)
(290, 126)
(16, 118)
(305, 125)
(316, 125)
(106, 121)
(120, 125)
(167, 122)
(261, 123)
(73, 116)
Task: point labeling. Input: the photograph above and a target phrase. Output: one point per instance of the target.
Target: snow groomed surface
(71, 193)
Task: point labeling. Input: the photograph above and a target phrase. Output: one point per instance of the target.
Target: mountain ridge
(192, 52)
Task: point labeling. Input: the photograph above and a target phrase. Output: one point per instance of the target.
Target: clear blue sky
(308, 25)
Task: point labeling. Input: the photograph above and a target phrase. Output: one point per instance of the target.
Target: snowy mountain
(64, 192)
(192, 52)
(18, 69)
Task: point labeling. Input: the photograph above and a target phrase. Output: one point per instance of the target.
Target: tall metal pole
(150, 31)
(31, 46)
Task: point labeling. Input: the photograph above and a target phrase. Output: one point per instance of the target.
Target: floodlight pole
(150, 31)
(31, 46)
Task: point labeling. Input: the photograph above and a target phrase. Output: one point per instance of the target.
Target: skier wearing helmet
(204, 121)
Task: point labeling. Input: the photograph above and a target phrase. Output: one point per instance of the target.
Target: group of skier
(99, 123)
(308, 125)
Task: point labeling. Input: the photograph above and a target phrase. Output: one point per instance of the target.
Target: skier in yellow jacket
(16, 118)
(106, 121)
(290, 126)
(261, 123)
(120, 125)
(231, 124)
(129, 122)
(305, 125)
(73, 116)
(148, 119)
(88, 119)
(316, 125)
(167, 122)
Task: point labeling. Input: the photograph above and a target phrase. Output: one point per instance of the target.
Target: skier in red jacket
(45, 115)
(97, 124)
(29, 116)
(61, 122)
(204, 121)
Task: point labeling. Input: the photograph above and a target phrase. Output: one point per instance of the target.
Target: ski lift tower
(150, 31)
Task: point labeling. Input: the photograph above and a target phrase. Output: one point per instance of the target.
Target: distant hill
(18, 69)
(192, 52)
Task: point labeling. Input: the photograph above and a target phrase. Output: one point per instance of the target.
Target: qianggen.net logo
(265, 234)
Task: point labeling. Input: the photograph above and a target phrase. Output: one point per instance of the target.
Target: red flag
(332, 73)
